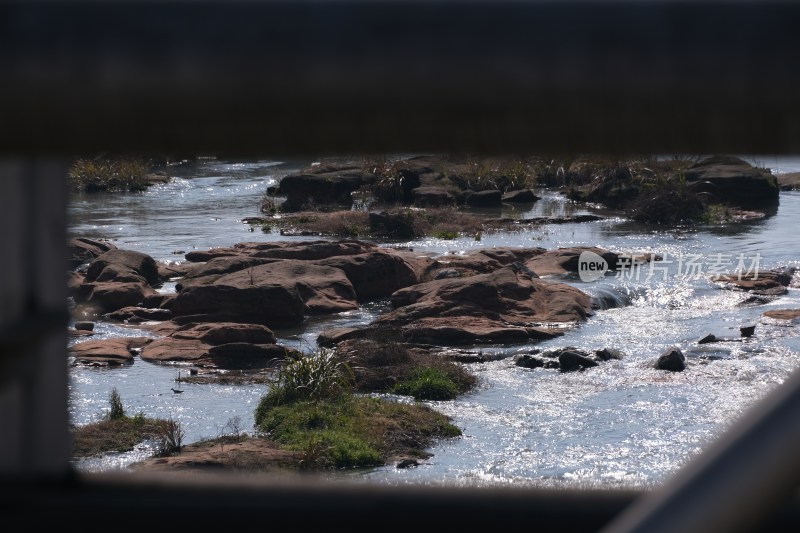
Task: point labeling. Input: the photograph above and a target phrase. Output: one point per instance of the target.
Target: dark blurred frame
(301, 78)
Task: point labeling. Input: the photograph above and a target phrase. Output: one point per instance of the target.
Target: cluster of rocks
(422, 181)
(716, 180)
(568, 359)
(766, 283)
(228, 300)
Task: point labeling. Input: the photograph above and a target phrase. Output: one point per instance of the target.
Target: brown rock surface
(275, 294)
(783, 314)
(506, 306)
(107, 352)
(765, 282)
(124, 266)
(82, 250)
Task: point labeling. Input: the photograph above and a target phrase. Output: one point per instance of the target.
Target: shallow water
(622, 424)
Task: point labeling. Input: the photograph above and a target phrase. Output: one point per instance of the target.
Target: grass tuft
(109, 175)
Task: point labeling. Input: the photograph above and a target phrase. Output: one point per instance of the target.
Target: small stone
(528, 361)
(708, 338)
(672, 360)
(570, 360)
(747, 330)
(408, 463)
(84, 326)
(607, 354)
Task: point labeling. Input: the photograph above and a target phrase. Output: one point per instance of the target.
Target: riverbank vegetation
(311, 408)
(112, 174)
(118, 432)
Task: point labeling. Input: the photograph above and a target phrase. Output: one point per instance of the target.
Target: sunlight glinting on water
(620, 424)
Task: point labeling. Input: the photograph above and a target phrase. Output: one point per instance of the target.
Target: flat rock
(282, 293)
(107, 352)
(783, 314)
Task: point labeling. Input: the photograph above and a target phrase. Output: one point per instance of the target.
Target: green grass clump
(109, 175)
(311, 408)
(118, 432)
(328, 433)
(428, 383)
(353, 431)
(317, 376)
(445, 235)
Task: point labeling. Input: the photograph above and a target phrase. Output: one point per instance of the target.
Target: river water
(622, 424)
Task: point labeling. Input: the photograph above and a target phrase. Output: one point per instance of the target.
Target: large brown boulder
(508, 306)
(565, 260)
(282, 293)
(201, 256)
(105, 297)
(107, 352)
(479, 261)
(124, 266)
(375, 274)
(82, 250)
(225, 333)
(467, 330)
(172, 270)
(322, 188)
(135, 315)
(229, 346)
(734, 181)
(232, 356)
(216, 267)
(507, 294)
(764, 282)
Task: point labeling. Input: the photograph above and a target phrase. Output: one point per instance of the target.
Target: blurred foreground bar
(325, 77)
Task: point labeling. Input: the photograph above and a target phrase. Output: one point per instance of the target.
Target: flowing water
(621, 424)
